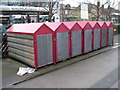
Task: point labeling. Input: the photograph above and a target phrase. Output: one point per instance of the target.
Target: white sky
(76, 2)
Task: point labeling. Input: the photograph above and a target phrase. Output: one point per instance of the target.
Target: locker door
(62, 46)
(76, 43)
(110, 36)
(44, 49)
(104, 37)
(88, 41)
(96, 39)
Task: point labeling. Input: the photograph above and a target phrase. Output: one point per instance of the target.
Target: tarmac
(10, 67)
(100, 71)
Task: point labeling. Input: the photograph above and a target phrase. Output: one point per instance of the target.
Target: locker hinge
(69, 32)
(82, 50)
(82, 32)
(92, 45)
(92, 32)
(55, 39)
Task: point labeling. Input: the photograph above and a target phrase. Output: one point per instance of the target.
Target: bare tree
(50, 4)
(98, 10)
(49, 7)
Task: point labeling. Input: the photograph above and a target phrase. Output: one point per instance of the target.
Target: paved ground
(98, 71)
(9, 70)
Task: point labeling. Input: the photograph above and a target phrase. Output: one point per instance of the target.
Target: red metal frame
(94, 25)
(85, 26)
(57, 27)
(77, 27)
(54, 48)
(35, 52)
(44, 29)
(102, 25)
(70, 26)
(110, 25)
(33, 29)
(73, 26)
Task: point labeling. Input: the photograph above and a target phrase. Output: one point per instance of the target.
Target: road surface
(100, 71)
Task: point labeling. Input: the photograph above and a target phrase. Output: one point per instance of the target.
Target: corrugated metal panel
(62, 42)
(21, 47)
(104, 37)
(110, 37)
(21, 53)
(76, 43)
(20, 35)
(44, 49)
(23, 59)
(88, 41)
(21, 41)
(96, 39)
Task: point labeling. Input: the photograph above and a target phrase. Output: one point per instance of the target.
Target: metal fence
(3, 41)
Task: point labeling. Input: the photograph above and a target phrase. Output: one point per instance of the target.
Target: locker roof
(102, 24)
(57, 26)
(69, 24)
(94, 24)
(84, 25)
(30, 28)
(109, 24)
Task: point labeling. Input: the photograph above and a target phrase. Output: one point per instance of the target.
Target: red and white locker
(96, 35)
(110, 32)
(75, 38)
(104, 34)
(61, 33)
(31, 43)
(87, 36)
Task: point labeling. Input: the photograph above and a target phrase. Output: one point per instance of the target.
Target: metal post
(98, 9)
(38, 20)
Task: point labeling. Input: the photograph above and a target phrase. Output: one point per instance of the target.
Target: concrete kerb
(65, 63)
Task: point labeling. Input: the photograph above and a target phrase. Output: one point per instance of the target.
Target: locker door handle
(55, 39)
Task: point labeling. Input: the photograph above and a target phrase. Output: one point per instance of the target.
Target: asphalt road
(100, 71)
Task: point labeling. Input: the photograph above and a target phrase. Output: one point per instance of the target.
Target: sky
(74, 3)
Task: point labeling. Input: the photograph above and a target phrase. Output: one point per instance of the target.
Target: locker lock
(55, 39)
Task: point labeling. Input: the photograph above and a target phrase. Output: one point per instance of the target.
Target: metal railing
(3, 42)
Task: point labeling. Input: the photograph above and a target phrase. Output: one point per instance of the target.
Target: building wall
(24, 0)
(119, 6)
